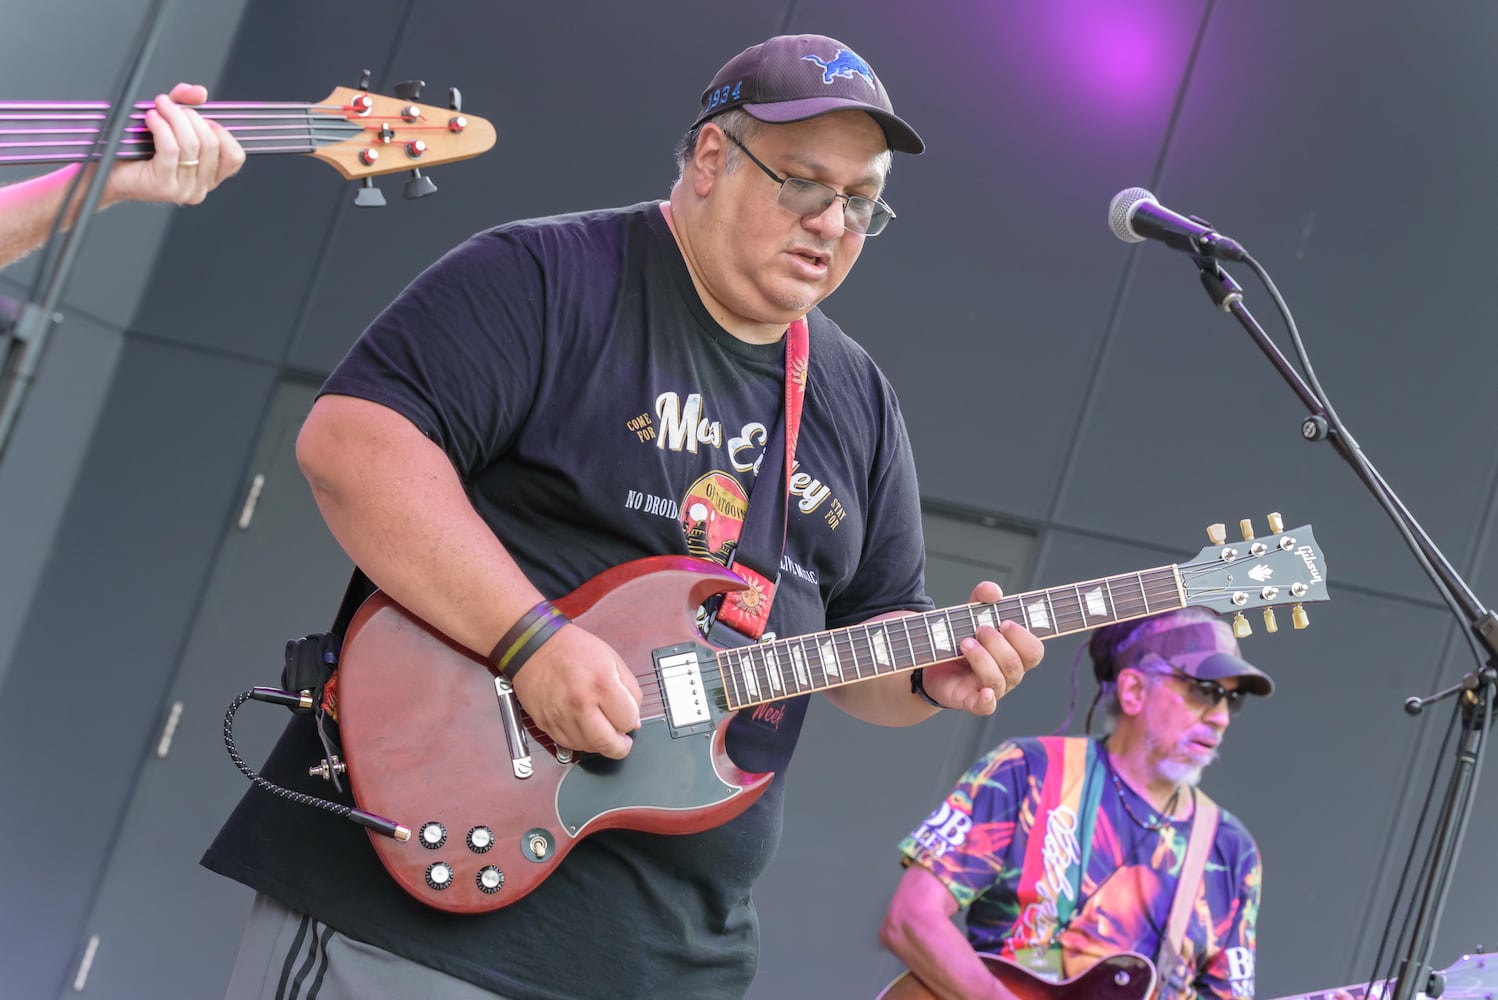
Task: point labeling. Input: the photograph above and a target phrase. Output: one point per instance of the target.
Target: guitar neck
(768, 671)
(65, 132)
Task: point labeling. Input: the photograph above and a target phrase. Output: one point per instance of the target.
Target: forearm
(27, 211)
(885, 701)
(943, 960)
(396, 505)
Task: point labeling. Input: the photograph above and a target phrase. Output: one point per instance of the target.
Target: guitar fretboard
(782, 668)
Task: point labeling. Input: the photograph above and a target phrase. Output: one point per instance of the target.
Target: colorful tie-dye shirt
(1016, 889)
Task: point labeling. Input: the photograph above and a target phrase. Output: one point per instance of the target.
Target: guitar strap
(1170, 960)
(761, 542)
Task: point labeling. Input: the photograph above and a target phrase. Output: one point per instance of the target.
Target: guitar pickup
(520, 751)
(688, 707)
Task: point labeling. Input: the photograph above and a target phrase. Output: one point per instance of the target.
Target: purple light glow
(1123, 59)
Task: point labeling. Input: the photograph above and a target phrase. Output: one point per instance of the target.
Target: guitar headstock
(396, 133)
(1281, 568)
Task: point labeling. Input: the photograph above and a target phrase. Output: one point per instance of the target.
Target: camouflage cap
(790, 78)
(1200, 647)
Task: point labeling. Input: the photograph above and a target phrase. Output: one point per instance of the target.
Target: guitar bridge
(520, 752)
(678, 669)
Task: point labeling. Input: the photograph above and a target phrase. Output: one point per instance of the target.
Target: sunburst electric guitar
(1127, 976)
(476, 805)
(358, 133)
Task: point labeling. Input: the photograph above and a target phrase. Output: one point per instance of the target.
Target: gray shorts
(287, 955)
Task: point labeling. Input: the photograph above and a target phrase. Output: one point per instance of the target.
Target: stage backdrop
(1078, 408)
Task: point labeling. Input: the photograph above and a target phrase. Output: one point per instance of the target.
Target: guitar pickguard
(659, 773)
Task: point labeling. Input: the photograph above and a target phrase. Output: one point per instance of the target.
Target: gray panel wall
(1051, 376)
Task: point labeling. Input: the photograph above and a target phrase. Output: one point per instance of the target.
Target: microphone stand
(24, 340)
(1476, 690)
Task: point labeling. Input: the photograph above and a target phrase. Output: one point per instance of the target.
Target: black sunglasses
(1209, 694)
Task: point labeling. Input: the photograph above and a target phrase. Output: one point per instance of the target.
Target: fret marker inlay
(1096, 607)
(1036, 615)
(828, 652)
(941, 636)
(772, 668)
(798, 662)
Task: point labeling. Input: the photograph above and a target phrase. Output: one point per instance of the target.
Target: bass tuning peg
(368, 195)
(419, 186)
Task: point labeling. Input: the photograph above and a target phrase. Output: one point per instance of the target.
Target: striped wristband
(525, 637)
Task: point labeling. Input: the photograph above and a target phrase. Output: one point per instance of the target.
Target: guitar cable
(302, 704)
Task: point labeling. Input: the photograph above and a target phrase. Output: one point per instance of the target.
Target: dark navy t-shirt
(598, 414)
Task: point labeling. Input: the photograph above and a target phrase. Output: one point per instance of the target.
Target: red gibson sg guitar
(474, 805)
(358, 133)
(1127, 976)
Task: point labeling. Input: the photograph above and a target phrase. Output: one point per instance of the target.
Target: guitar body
(425, 742)
(1125, 976)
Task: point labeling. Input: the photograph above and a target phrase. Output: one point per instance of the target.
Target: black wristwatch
(918, 685)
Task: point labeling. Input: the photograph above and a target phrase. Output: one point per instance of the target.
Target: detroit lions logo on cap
(844, 64)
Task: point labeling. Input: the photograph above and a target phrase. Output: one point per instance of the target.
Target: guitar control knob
(480, 839)
(490, 879)
(432, 835)
(439, 875)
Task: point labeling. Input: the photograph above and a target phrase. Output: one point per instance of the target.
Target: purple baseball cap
(1200, 647)
(790, 78)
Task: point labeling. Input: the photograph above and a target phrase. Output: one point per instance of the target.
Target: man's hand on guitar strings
(193, 155)
(994, 661)
(581, 693)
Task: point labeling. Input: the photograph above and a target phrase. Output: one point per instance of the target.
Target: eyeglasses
(1209, 694)
(863, 215)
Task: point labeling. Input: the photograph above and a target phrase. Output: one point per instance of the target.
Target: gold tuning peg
(1217, 533)
(1276, 523)
(1298, 616)
(1241, 628)
(1247, 527)
(1270, 625)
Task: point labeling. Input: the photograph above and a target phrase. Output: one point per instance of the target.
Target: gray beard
(1176, 771)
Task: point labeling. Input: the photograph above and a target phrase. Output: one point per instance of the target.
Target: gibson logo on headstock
(1308, 556)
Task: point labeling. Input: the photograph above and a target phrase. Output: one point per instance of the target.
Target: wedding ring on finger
(188, 163)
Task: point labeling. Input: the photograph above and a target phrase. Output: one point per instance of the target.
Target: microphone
(1135, 216)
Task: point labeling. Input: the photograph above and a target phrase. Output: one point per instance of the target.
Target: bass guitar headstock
(386, 135)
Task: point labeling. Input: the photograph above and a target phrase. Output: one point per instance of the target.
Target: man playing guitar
(1064, 851)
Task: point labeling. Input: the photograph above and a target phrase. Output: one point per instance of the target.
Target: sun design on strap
(750, 601)
(800, 371)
